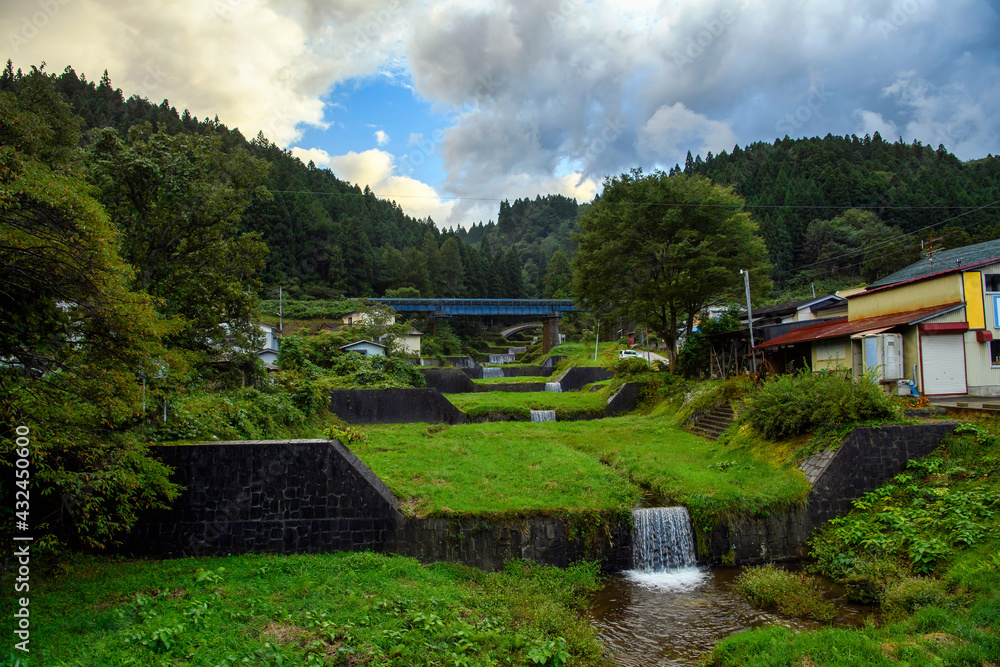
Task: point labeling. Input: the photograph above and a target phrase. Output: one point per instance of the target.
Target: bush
(791, 405)
(912, 593)
(774, 589)
(630, 367)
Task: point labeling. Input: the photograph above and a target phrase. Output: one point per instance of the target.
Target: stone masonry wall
(394, 406)
(291, 496)
(865, 459)
(489, 544)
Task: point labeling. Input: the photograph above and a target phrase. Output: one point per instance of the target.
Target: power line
(896, 239)
(638, 203)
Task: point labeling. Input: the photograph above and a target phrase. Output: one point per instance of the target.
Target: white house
(268, 352)
(365, 347)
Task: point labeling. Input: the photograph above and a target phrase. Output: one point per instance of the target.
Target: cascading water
(543, 415)
(553, 386)
(492, 373)
(662, 539)
(501, 358)
(517, 350)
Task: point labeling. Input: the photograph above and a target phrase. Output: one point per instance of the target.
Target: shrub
(791, 405)
(774, 589)
(630, 367)
(912, 593)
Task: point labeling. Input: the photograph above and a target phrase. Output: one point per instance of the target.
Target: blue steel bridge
(543, 308)
(547, 310)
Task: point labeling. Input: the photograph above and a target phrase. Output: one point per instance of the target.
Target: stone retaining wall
(489, 544)
(865, 459)
(290, 496)
(578, 377)
(394, 406)
(449, 380)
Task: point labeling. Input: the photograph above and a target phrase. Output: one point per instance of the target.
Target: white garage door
(944, 364)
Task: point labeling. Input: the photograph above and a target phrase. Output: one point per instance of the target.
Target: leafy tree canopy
(657, 248)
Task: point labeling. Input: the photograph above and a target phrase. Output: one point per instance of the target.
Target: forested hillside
(326, 238)
(800, 190)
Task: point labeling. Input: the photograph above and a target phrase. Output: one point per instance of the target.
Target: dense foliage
(658, 249)
(925, 548)
(793, 404)
(793, 185)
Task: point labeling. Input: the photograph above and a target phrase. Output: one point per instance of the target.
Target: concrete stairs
(715, 423)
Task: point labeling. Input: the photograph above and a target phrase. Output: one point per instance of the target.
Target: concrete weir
(310, 496)
(865, 459)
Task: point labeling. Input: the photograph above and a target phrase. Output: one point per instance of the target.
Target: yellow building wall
(973, 281)
(934, 292)
(983, 379)
(841, 357)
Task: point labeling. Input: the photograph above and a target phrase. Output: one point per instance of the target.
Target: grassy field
(520, 404)
(525, 378)
(324, 609)
(500, 469)
(507, 467)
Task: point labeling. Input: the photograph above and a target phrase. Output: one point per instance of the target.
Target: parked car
(628, 354)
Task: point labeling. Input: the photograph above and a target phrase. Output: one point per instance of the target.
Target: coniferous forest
(819, 203)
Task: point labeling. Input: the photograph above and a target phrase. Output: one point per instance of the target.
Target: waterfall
(501, 358)
(553, 386)
(516, 350)
(490, 373)
(662, 539)
(543, 415)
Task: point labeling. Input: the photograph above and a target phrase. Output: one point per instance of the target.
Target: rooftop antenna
(929, 250)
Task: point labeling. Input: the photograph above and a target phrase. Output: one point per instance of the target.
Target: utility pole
(281, 321)
(597, 339)
(746, 285)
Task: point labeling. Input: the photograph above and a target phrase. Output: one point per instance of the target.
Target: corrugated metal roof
(946, 261)
(842, 327)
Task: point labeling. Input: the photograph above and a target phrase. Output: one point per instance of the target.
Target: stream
(674, 617)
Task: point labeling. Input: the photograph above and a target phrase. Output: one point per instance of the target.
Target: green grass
(515, 380)
(519, 404)
(324, 609)
(926, 546)
(788, 593)
(493, 469)
(507, 467)
(582, 354)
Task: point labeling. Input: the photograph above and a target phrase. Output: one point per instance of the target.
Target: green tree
(177, 200)
(656, 249)
(74, 336)
(558, 277)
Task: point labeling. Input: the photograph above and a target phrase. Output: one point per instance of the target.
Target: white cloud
(675, 129)
(870, 122)
(949, 115)
(381, 138)
(376, 169)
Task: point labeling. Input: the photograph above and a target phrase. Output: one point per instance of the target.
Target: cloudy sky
(448, 107)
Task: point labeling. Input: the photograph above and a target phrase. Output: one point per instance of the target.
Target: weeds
(775, 589)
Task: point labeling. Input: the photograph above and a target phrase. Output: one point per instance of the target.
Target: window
(995, 352)
(992, 282)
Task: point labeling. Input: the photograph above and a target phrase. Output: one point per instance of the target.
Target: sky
(449, 107)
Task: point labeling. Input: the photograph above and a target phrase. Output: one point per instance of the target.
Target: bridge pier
(550, 334)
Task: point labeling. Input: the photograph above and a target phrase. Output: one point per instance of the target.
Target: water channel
(671, 612)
